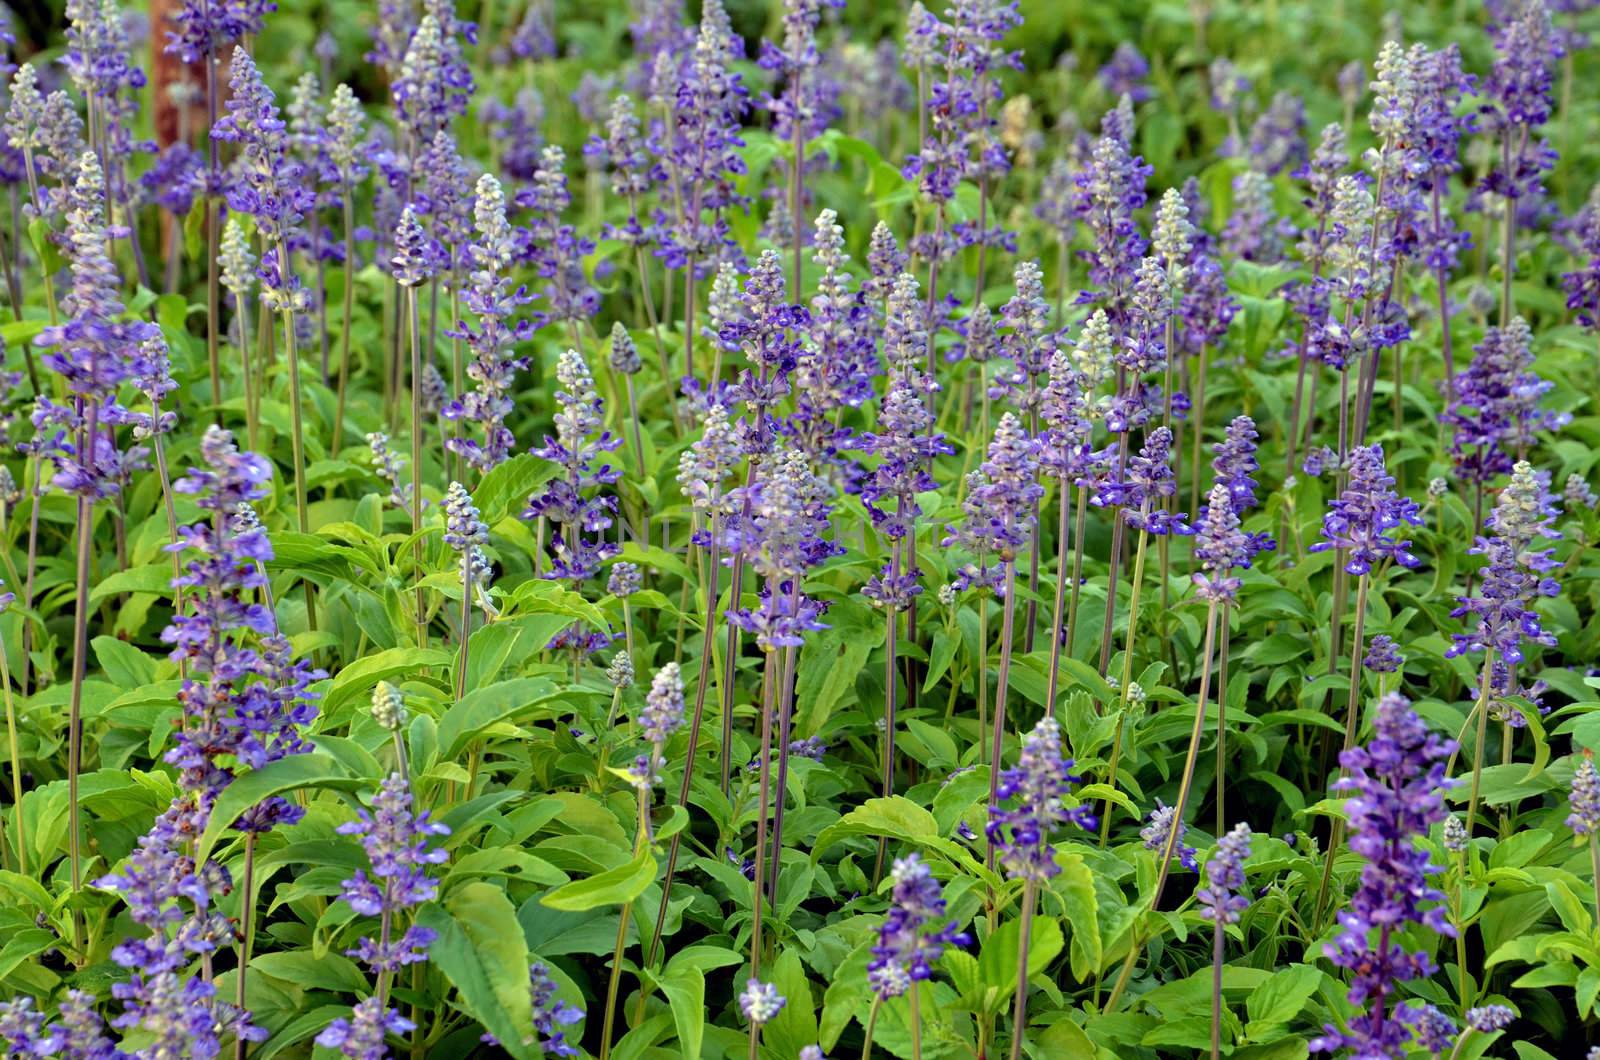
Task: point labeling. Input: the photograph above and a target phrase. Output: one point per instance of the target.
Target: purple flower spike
(906, 946)
(1221, 898)
(361, 1036)
(1038, 782)
(1360, 520)
(1395, 783)
(396, 841)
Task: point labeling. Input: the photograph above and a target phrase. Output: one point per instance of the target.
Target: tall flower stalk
(1023, 833)
(272, 190)
(1357, 527)
(1396, 784)
(1000, 511)
(93, 353)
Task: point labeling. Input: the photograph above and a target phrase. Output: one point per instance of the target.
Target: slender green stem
(16, 761)
(416, 465)
(1170, 849)
(872, 1024)
(297, 428)
(247, 927)
(1217, 941)
(1019, 1014)
(1127, 677)
(1484, 683)
(349, 308)
(1352, 715)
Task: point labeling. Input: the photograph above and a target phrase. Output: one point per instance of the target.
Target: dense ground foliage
(800, 530)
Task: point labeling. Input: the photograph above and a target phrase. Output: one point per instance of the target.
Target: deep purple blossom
(912, 936)
(1000, 507)
(396, 842)
(1038, 782)
(1496, 414)
(1395, 786)
(361, 1036)
(1221, 898)
(1515, 573)
(1359, 521)
(1157, 833)
(578, 516)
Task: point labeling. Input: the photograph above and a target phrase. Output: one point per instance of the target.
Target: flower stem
(1127, 677)
(1019, 1018)
(1170, 849)
(1351, 721)
(416, 466)
(1482, 708)
(16, 761)
(349, 304)
(1217, 938)
(246, 933)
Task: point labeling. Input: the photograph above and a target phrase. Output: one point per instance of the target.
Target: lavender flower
(1038, 782)
(1000, 505)
(361, 1036)
(578, 446)
(396, 842)
(760, 1002)
(1487, 1019)
(435, 81)
(1382, 657)
(464, 525)
(206, 27)
(1111, 189)
(1124, 74)
(624, 354)
(1147, 480)
(93, 352)
(662, 716)
(1496, 409)
(1515, 573)
(412, 264)
(1395, 784)
(1221, 898)
(1158, 832)
(1220, 546)
(1359, 521)
(625, 579)
(555, 249)
(906, 947)
(229, 715)
(270, 187)
(550, 1013)
(495, 363)
(1584, 798)
(386, 465)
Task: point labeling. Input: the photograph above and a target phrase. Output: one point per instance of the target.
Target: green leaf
(482, 951)
(686, 994)
(795, 1025)
(616, 886)
(1575, 916)
(329, 971)
(507, 486)
(154, 578)
(293, 773)
(1075, 888)
(358, 678)
(1276, 1002)
(999, 960)
(483, 707)
(896, 817)
(493, 645)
